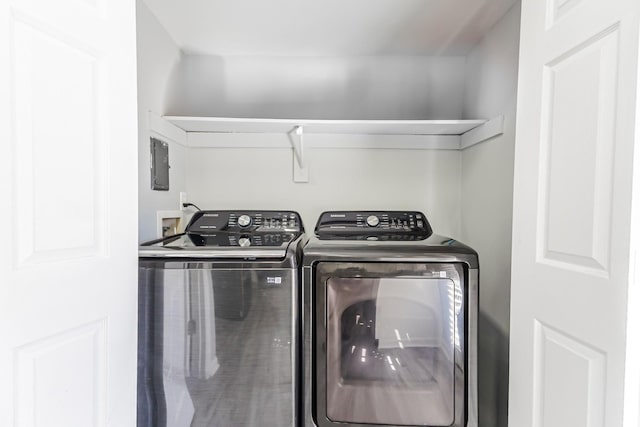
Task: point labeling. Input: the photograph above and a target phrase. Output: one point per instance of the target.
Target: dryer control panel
(212, 222)
(390, 225)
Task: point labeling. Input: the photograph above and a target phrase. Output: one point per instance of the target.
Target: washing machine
(219, 324)
(390, 323)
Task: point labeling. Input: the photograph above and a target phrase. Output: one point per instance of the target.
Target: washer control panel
(244, 228)
(249, 222)
(393, 225)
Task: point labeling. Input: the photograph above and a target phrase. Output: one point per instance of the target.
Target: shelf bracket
(300, 169)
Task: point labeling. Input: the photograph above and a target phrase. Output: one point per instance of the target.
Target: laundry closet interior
(316, 106)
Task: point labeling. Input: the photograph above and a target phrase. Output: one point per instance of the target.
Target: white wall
(172, 83)
(330, 87)
(487, 195)
(426, 180)
(391, 87)
(158, 55)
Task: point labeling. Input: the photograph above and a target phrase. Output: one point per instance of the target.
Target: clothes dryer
(390, 323)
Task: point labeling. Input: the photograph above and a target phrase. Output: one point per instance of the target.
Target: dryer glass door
(393, 335)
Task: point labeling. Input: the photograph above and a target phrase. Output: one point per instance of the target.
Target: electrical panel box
(159, 165)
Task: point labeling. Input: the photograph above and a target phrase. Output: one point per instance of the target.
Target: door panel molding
(557, 357)
(557, 9)
(49, 195)
(48, 385)
(577, 164)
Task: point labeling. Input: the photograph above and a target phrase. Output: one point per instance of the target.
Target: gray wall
(171, 82)
(391, 87)
(158, 56)
(427, 180)
(487, 196)
(328, 87)
(487, 182)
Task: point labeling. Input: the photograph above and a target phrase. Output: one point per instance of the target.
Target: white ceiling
(328, 27)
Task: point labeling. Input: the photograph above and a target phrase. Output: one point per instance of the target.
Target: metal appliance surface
(389, 323)
(218, 322)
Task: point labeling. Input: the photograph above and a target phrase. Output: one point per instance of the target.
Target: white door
(577, 100)
(68, 206)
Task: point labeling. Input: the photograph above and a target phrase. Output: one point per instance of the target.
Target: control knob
(373, 221)
(244, 220)
(244, 242)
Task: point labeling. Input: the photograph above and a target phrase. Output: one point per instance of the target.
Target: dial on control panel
(244, 242)
(244, 220)
(373, 221)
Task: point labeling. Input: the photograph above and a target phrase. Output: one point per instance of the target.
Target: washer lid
(231, 234)
(224, 245)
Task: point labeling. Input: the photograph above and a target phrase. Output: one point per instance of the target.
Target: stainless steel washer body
(389, 324)
(218, 322)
